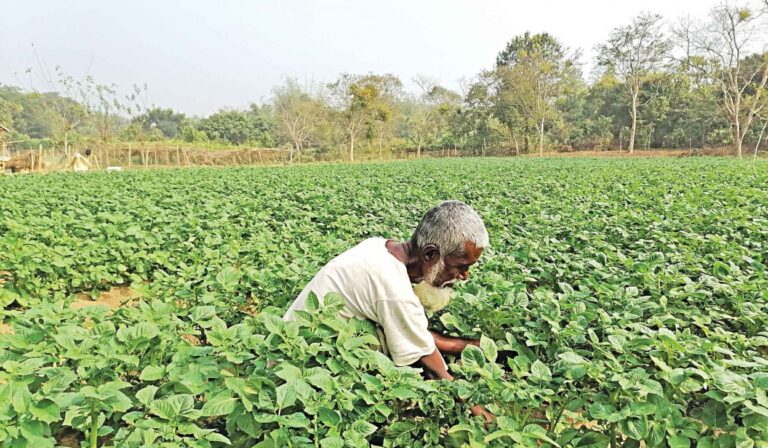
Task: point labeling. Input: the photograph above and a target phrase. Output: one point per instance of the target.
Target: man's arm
(451, 345)
(405, 328)
(435, 367)
(434, 364)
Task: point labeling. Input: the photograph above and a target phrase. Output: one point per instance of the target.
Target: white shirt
(375, 286)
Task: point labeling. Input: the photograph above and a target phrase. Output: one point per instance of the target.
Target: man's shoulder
(371, 250)
(371, 260)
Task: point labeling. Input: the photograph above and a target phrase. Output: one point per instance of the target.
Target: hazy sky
(199, 56)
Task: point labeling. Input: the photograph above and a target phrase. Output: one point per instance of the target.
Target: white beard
(433, 298)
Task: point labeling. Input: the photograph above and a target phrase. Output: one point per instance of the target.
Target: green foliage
(190, 134)
(237, 127)
(630, 294)
(166, 121)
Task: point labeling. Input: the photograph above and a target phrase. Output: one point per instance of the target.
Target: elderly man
(392, 283)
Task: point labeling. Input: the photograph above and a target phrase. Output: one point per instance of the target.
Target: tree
(724, 42)
(104, 108)
(535, 72)
(429, 114)
(384, 108)
(8, 110)
(633, 52)
(477, 113)
(63, 105)
(236, 127)
(168, 122)
(358, 99)
(191, 134)
(296, 114)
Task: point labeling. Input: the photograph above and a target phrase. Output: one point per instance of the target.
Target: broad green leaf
(221, 404)
(678, 441)
(540, 372)
(332, 442)
(489, 348)
(593, 440)
(572, 358)
(146, 395)
(228, 278)
(329, 417)
(152, 373)
(472, 357)
(46, 411)
(363, 428)
(636, 428)
(714, 415)
(286, 396)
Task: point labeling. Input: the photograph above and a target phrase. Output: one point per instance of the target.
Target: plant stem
(557, 419)
(613, 435)
(94, 433)
(317, 436)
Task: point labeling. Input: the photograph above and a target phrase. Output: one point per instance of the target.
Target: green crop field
(621, 303)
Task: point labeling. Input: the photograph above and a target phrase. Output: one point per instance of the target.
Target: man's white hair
(448, 226)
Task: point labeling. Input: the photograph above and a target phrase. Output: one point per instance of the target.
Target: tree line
(694, 83)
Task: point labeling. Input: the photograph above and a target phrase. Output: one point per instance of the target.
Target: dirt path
(639, 153)
(113, 299)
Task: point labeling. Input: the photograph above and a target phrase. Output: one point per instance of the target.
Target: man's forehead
(471, 253)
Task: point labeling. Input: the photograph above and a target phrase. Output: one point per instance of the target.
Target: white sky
(199, 56)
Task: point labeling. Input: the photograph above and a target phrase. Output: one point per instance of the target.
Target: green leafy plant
(620, 303)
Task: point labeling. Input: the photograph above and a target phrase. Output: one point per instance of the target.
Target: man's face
(457, 266)
(435, 289)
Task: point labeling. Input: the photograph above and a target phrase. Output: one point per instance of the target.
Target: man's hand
(435, 367)
(478, 410)
(454, 346)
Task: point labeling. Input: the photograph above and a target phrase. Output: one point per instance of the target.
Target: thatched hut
(29, 161)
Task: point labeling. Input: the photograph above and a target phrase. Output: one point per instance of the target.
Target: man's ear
(430, 254)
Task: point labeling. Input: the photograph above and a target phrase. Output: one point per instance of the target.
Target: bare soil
(640, 153)
(114, 298)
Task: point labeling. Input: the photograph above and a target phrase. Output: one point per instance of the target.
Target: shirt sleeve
(405, 329)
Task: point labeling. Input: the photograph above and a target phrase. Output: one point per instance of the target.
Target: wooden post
(130, 155)
(40, 157)
(178, 156)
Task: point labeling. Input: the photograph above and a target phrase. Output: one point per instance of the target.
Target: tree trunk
(517, 145)
(541, 138)
(351, 146)
(760, 137)
(648, 143)
(633, 130)
(418, 151)
(737, 138)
